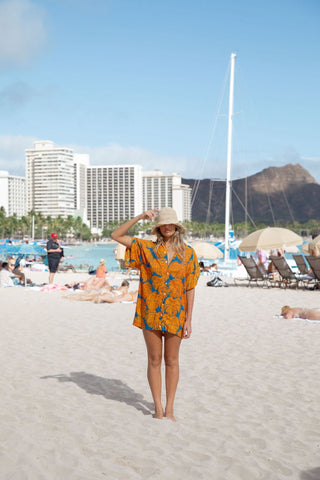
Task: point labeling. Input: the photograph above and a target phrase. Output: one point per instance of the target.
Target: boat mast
(229, 151)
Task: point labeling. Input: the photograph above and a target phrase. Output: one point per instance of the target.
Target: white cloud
(22, 32)
(114, 154)
(12, 158)
(12, 153)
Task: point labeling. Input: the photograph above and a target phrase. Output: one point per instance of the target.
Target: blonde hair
(285, 309)
(176, 242)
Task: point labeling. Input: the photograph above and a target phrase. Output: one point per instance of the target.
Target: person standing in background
(55, 253)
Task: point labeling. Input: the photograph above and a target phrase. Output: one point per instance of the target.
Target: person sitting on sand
(101, 269)
(18, 271)
(99, 280)
(298, 312)
(6, 275)
(211, 268)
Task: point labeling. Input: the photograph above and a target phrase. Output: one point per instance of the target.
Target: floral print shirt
(162, 299)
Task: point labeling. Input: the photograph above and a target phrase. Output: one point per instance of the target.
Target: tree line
(74, 229)
(24, 227)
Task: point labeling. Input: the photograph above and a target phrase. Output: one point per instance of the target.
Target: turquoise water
(90, 255)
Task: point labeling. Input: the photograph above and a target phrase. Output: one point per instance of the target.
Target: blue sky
(141, 81)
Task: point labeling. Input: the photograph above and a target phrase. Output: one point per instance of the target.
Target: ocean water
(90, 255)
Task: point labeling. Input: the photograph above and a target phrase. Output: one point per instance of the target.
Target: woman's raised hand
(150, 215)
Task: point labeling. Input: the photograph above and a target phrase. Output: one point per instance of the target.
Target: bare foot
(170, 416)
(158, 414)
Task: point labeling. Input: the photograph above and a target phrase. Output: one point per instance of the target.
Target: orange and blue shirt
(162, 296)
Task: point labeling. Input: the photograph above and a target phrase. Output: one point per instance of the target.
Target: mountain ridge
(276, 194)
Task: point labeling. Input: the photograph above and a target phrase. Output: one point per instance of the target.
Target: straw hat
(102, 261)
(167, 216)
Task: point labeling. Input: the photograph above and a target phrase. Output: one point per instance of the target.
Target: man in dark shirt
(55, 253)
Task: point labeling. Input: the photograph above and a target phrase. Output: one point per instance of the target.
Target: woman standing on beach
(169, 272)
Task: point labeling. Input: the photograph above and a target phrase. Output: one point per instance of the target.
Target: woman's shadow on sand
(109, 388)
(313, 474)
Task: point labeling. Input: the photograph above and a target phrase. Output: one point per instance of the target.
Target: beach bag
(217, 282)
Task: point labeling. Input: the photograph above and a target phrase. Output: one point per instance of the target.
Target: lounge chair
(301, 264)
(288, 277)
(314, 263)
(255, 275)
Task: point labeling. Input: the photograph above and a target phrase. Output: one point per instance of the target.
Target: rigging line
(243, 206)
(286, 200)
(269, 201)
(196, 185)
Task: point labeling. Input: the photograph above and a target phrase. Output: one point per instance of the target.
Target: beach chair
(301, 264)
(287, 277)
(255, 275)
(314, 263)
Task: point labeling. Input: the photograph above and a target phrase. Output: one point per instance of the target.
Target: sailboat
(229, 265)
(229, 154)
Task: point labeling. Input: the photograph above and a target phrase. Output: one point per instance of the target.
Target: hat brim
(155, 227)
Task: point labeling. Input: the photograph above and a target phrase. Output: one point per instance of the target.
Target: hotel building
(50, 179)
(61, 182)
(81, 164)
(114, 192)
(161, 190)
(13, 194)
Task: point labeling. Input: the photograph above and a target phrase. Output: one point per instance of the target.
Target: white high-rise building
(181, 201)
(81, 163)
(161, 190)
(50, 179)
(114, 193)
(13, 194)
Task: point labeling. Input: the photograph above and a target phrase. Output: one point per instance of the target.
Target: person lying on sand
(93, 283)
(112, 295)
(298, 312)
(116, 296)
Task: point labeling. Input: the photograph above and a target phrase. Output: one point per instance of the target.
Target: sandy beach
(76, 405)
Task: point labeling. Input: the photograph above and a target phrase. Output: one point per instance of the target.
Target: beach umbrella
(120, 251)
(206, 250)
(27, 249)
(269, 238)
(308, 247)
(291, 249)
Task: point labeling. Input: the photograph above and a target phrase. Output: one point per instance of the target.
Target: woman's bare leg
(82, 296)
(171, 358)
(153, 341)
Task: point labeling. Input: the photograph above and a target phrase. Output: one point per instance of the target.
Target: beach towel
(53, 288)
(298, 318)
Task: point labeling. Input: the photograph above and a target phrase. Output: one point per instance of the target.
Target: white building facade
(81, 164)
(50, 179)
(161, 190)
(114, 193)
(13, 194)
